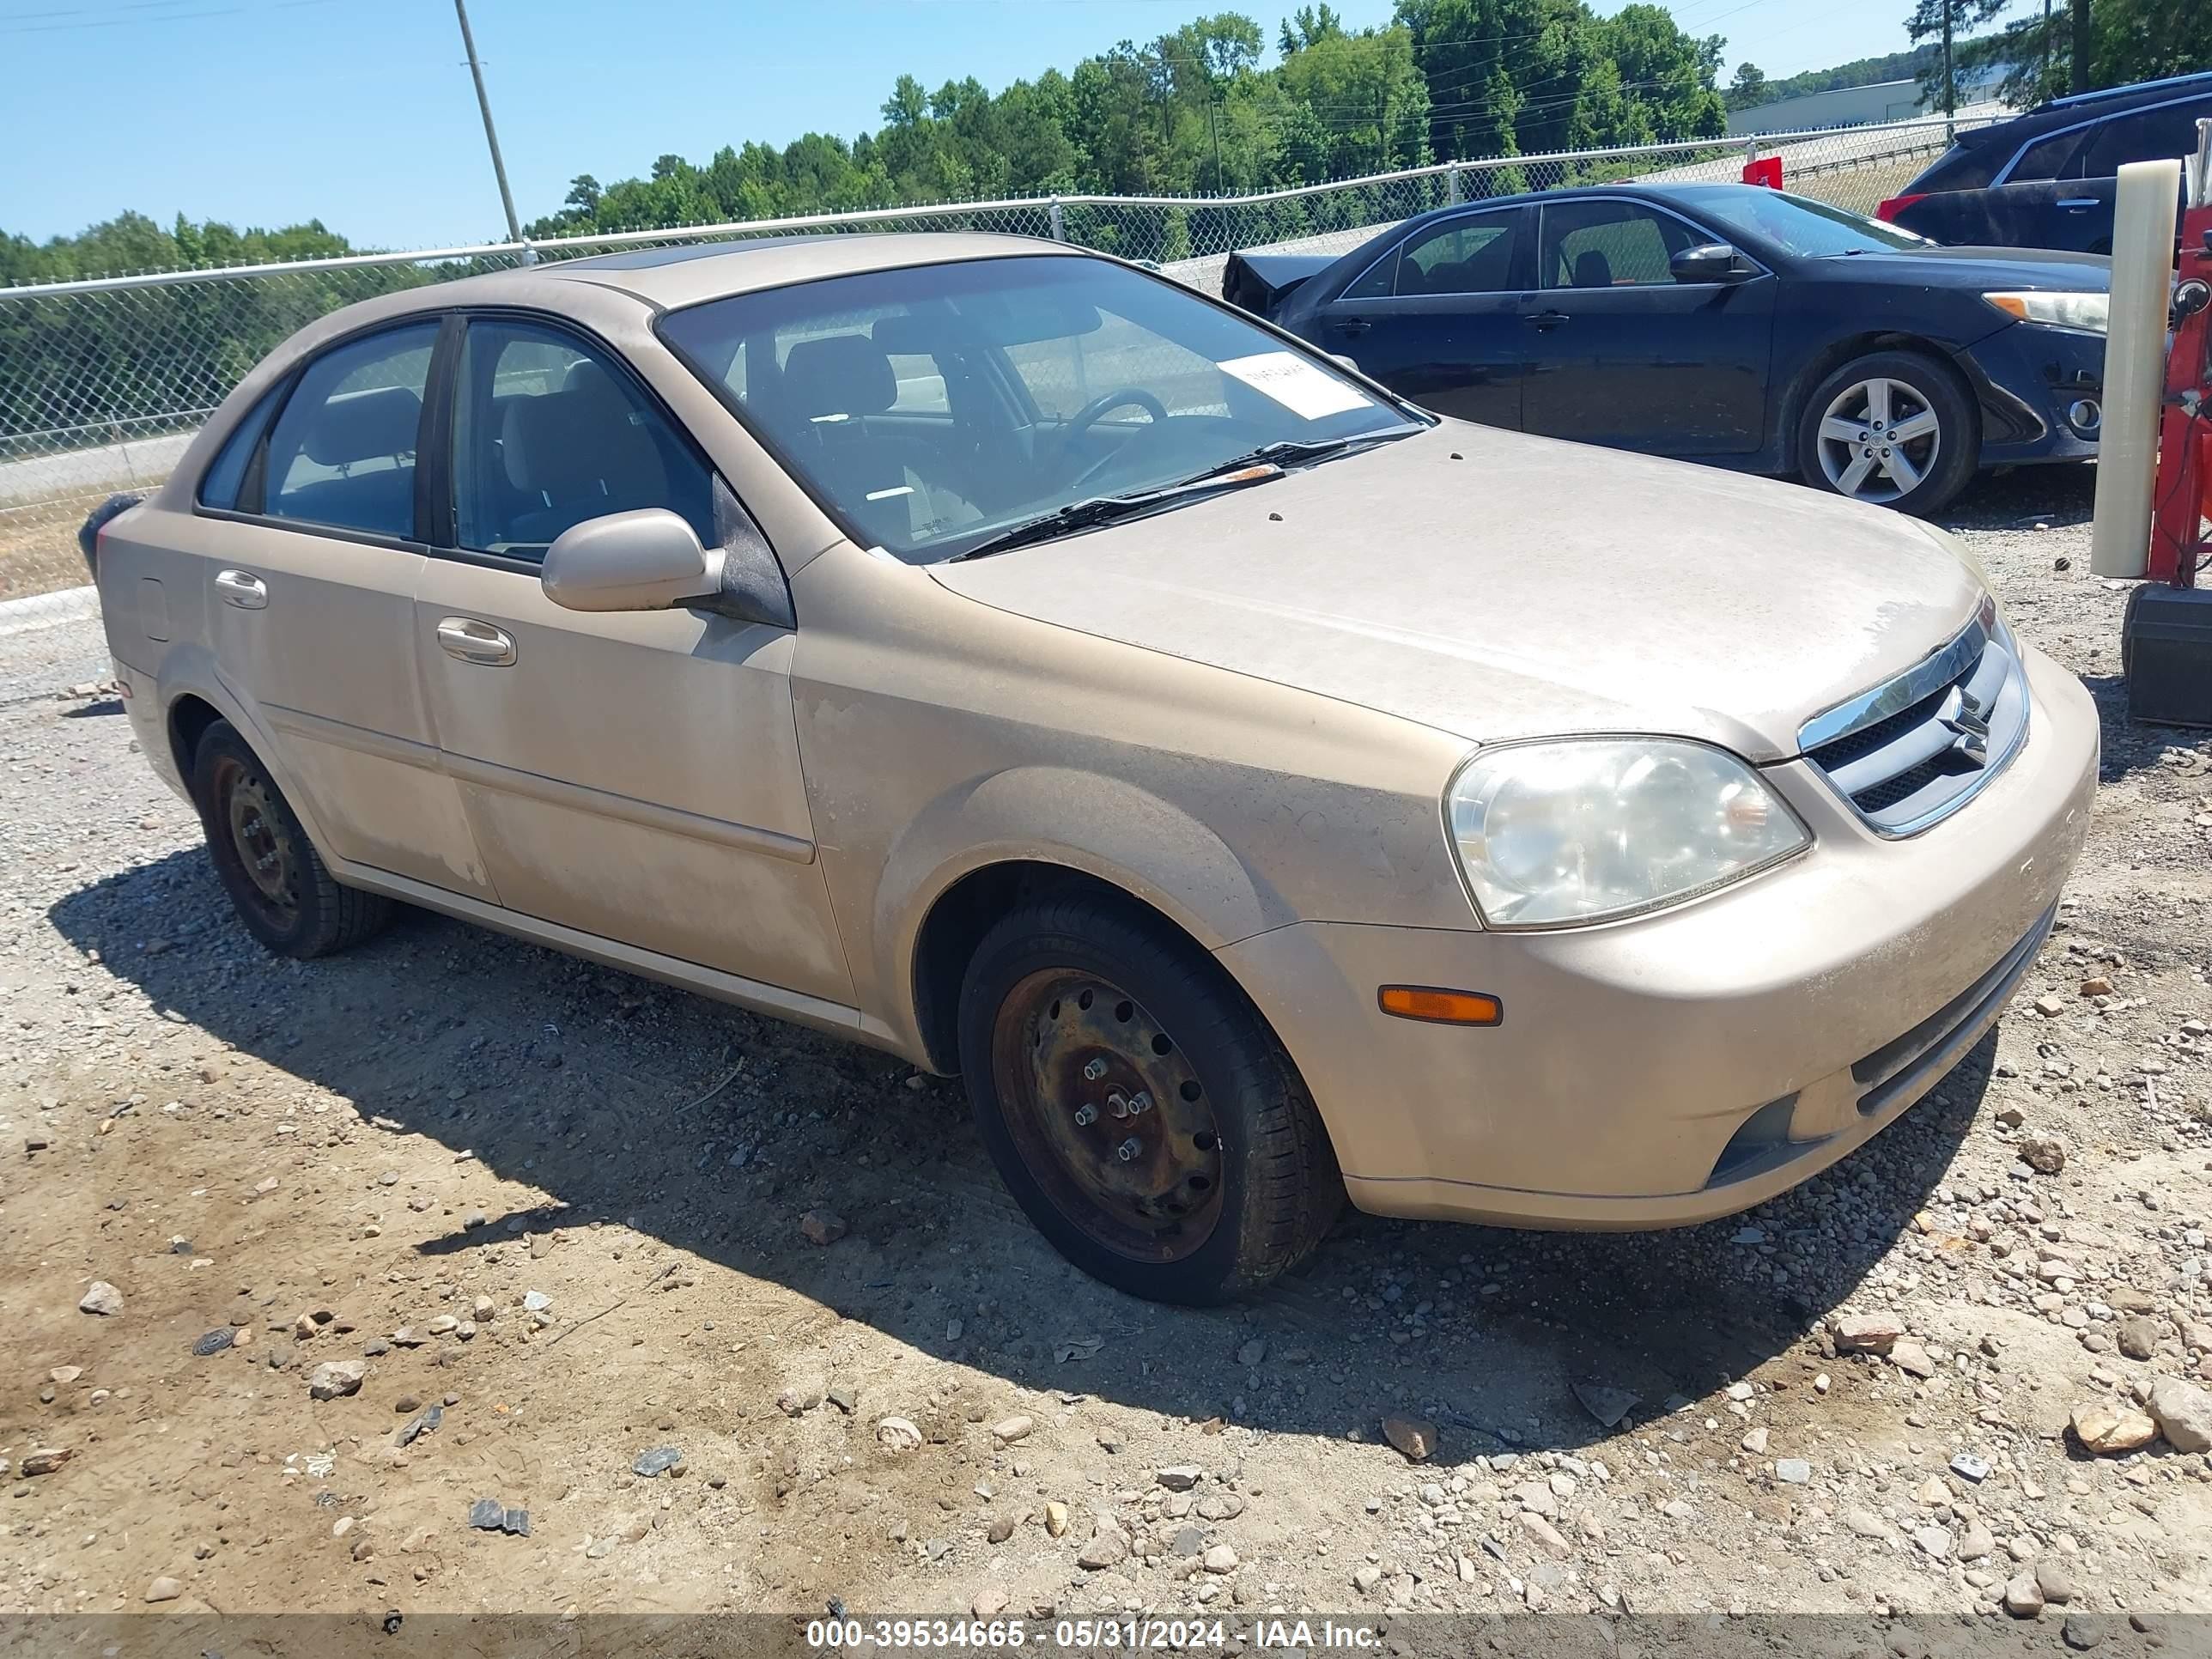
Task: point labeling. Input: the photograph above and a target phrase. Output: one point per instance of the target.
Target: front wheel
(1893, 428)
(1137, 1106)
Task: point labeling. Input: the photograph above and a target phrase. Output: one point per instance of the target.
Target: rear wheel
(1138, 1107)
(277, 882)
(1893, 428)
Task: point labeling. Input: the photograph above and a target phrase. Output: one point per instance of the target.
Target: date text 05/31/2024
(1084, 1635)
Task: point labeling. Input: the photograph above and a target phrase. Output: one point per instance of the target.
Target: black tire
(288, 898)
(1945, 466)
(88, 533)
(1243, 1209)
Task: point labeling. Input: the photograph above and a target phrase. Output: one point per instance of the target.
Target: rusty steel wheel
(1136, 1105)
(276, 881)
(259, 842)
(1108, 1114)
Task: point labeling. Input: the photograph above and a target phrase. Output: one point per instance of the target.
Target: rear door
(1436, 318)
(1624, 354)
(632, 776)
(311, 579)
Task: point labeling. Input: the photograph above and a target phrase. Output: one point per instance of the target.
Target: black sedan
(1722, 323)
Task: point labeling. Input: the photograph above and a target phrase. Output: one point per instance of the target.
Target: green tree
(1748, 88)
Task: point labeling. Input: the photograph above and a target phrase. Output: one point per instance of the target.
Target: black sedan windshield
(1791, 224)
(929, 408)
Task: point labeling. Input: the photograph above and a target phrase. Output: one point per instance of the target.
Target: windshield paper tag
(1295, 384)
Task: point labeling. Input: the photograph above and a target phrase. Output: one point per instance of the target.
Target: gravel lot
(570, 1210)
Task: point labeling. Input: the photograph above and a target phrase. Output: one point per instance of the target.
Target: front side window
(931, 407)
(1609, 245)
(1475, 257)
(2147, 135)
(342, 452)
(548, 433)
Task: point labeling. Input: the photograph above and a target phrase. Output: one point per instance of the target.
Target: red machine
(2165, 642)
(2183, 494)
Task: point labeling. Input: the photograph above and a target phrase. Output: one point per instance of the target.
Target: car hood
(1497, 586)
(1983, 267)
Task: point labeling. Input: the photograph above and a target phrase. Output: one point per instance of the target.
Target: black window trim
(444, 512)
(254, 485)
(1759, 267)
(2004, 174)
(1453, 219)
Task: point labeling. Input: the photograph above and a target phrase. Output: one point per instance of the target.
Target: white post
(2135, 367)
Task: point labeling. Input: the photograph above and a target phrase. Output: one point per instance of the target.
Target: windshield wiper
(1095, 510)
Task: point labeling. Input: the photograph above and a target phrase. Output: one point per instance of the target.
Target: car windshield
(1809, 229)
(931, 409)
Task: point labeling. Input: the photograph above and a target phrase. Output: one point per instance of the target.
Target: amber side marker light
(1440, 1007)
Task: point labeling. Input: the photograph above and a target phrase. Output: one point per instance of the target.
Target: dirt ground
(567, 1208)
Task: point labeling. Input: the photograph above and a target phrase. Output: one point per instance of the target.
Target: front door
(632, 776)
(1626, 356)
(1436, 319)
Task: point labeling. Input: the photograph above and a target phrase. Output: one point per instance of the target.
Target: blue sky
(359, 112)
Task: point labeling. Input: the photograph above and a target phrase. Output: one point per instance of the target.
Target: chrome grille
(1917, 747)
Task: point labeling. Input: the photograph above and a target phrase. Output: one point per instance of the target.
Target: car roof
(2085, 107)
(668, 277)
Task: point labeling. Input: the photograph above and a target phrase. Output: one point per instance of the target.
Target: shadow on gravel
(715, 1132)
(2126, 745)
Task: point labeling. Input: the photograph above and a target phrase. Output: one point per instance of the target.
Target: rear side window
(342, 452)
(1964, 166)
(2056, 157)
(219, 485)
(1473, 256)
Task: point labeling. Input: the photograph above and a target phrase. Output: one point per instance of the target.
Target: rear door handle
(243, 589)
(471, 641)
(1547, 321)
(1351, 325)
(2076, 204)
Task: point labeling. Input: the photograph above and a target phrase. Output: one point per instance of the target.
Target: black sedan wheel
(1894, 430)
(1138, 1107)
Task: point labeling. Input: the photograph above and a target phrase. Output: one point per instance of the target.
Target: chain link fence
(104, 382)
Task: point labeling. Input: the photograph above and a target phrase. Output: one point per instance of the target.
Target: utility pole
(2043, 84)
(491, 137)
(2081, 45)
(1950, 83)
(1214, 127)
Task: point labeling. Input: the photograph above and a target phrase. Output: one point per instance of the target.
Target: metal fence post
(1451, 184)
(1750, 151)
(1056, 221)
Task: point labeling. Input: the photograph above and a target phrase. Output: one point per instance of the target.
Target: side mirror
(651, 560)
(1709, 262)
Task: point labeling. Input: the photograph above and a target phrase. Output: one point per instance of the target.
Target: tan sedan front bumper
(1689, 1065)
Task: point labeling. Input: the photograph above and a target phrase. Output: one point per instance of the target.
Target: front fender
(1105, 827)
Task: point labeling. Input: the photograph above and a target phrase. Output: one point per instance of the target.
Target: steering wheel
(1089, 416)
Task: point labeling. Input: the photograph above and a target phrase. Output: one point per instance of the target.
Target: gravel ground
(576, 1214)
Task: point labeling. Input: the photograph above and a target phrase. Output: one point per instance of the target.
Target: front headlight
(2086, 312)
(1585, 829)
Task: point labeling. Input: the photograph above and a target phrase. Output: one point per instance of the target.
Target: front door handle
(475, 642)
(2078, 204)
(1351, 325)
(242, 588)
(1547, 320)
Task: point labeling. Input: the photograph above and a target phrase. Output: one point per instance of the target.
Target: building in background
(1839, 106)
